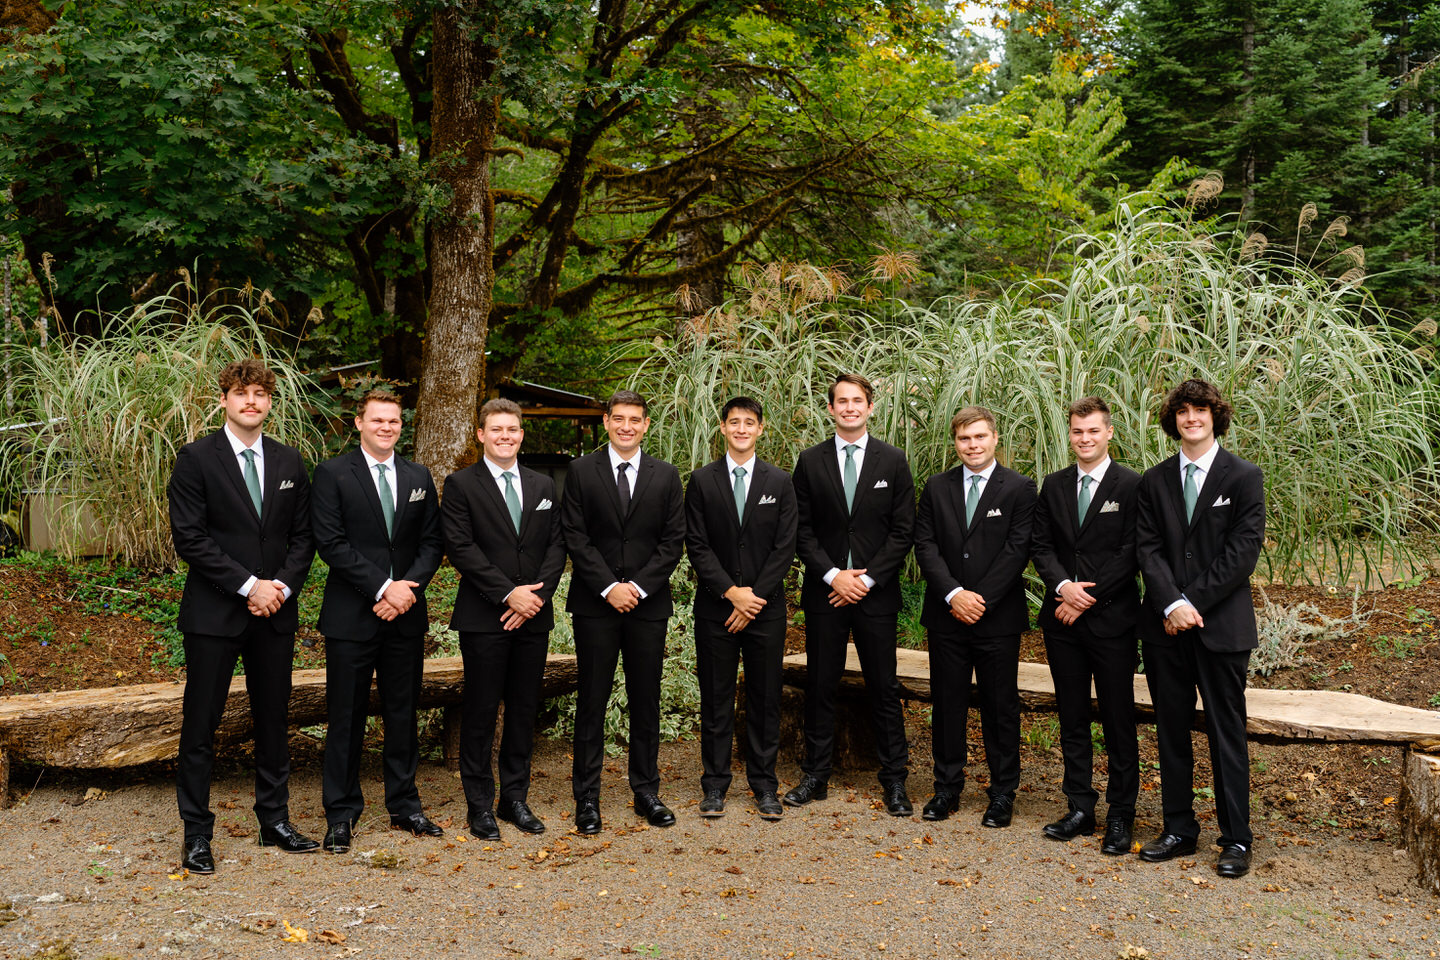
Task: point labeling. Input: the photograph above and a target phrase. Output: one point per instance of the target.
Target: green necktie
(1084, 504)
(512, 499)
(972, 499)
(252, 479)
(387, 500)
(740, 492)
(851, 479)
(1190, 492)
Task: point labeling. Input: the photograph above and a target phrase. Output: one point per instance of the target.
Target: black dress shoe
(416, 823)
(287, 838)
(1076, 823)
(1234, 860)
(519, 813)
(713, 805)
(587, 816)
(768, 806)
(940, 806)
(1118, 838)
(999, 812)
(648, 805)
(197, 857)
(1167, 846)
(337, 838)
(484, 827)
(897, 801)
(809, 788)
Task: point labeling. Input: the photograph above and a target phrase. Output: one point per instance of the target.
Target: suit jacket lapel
(831, 469)
(1212, 482)
(1097, 496)
(230, 467)
(607, 480)
(272, 479)
(1175, 488)
(645, 469)
(753, 491)
(868, 468)
(529, 500)
(491, 490)
(957, 494)
(361, 469)
(989, 492)
(404, 477)
(725, 489)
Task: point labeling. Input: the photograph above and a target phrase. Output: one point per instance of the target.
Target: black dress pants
(1076, 659)
(509, 667)
(718, 654)
(995, 662)
(600, 644)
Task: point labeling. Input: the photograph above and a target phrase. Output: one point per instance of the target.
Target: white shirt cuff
(1182, 602)
(1059, 586)
(830, 575)
(284, 590)
(606, 592)
(868, 580)
(249, 585)
(951, 595)
(380, 594)
(639, 590)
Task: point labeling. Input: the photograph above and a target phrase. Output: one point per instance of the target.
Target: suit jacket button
(520, 550)
(1189, 556)
(967, 556)
(742, 544)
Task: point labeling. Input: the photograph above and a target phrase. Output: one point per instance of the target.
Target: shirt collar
(841, 443)
(616, 459)
(731, 463)
(1206, 461)
(370, 461)
(1097, 474)
(239, 447)
(496, 470)
(986, 473)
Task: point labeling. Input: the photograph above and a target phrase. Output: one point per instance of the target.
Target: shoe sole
(198, 872)
(1066, 838)
(901, 813)
(935, 817)
(1162, 858)
(712, 814)
(481, 836)
(772, 817)
(314, 849)
(533, 831)
(792, 802)
(995, 824)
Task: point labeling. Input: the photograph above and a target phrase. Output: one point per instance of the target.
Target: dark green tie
(851, 479)
(740, 493)
(252, 479)
(1084, 503)
(387, 500)
(972, 499)
(1190, 492)
(512, 499)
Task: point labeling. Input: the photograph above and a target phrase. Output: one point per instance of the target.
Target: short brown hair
(1088, 405)
(856, 379)
(626, 398)
(969, 415)
(1196, 393)
(247, 372)
(376, 395)
(499, 405)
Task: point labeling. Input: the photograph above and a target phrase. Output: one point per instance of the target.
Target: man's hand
(401, 594)
(737, 621)
(266, 598)
(1183, 617)
(1067, 613)
(623, 597)
(967, 606)
(1074, 594)
(385, 610)
(745, 602)
(847, 588)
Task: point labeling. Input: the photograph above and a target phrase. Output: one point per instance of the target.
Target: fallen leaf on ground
(330, 936)
(295, 934)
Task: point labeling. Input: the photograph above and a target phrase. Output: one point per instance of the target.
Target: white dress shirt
(371, 463)
(1204, 462)
(966, 474)
(1097, 475)
(630, 477)
(238, 445)
(859, 457)
(498, 472)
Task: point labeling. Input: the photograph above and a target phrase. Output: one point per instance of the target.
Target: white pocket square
(1221, 502)
(881, 484)
(417, 495)
(286, 484)
(1110, 507)
(544, 505)
(993, 513)
(764, 499)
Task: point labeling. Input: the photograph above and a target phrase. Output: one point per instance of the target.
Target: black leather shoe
(713, 805)
(1167, 846)
(648, 805)
(416, 823)
(1074, 824)
(940, 806)
(287, 838)
(897, 801)
(999, 812)
(484, 827)
(520, 814)
(1118, 838)
(337, 838)
(1234, 860)
(768, 806)
(809, 788)
(587, 816)
(197, 857)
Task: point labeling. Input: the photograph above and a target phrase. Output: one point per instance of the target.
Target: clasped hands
(266, 597)
(1183, 618)
(847, 587)
(1074, 600)
(397, 598)
(747, 608)
(524, 602)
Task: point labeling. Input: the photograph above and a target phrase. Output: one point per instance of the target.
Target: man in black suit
(972, 539)
(502, 532)
(857, 513)
(1198, 534)
(624, 518)
(377, 524)
(240, 518)
(1084, 551)
(740, 520)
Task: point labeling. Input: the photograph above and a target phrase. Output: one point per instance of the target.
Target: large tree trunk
(461, 245)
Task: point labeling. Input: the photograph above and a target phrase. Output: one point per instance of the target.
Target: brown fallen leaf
(330, 936)
(734, 869)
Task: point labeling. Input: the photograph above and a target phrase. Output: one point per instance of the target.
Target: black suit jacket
(642, 547)
(726, 552)
(1101, 550)
(1209, 559)
(216, 532)
(350, 536)
(989, 558)
(491, 557)
(877, 533)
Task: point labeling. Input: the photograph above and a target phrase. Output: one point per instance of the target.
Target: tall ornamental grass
(109, 415)
(1329, 399)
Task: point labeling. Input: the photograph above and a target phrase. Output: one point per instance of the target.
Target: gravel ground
(91, 878)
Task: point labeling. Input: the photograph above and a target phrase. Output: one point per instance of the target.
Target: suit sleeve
(708, 568)
(300, 546)
(553, 566)
(457, 519)
(885, 565)
(1233, 565)
(782, 549)
(653, 577)
(591, 570)
(1042, 545)
(190, 530)
(432, 541)
(806, 543)
(1161, 589)
(332, 541)
(1007, 567)
(927, 546)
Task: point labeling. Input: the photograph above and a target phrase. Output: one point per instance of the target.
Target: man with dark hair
(240, 518)
(740, 522)
(503, 534)
(857, 511)
(1084, 551)
(624, 520)
(1198, 533)
(972, 540)
(377, 524)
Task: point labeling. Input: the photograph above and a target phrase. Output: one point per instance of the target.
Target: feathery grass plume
(1426, 328)
(892, 265)
(1308, 213)
(1351, 277)
(1338, 228)
(1355, 254)
(686, 297)
(1204, 189)
(1254, 246)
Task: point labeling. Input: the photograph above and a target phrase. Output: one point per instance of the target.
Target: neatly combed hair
(245, 373)
(742, 403)
(1196, 393)
(376, 395)
(627, 398)
(969, 415)
(1088, 405)
(856, 379)
(500, 405)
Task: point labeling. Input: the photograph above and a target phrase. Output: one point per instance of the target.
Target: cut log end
(1420, 815)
